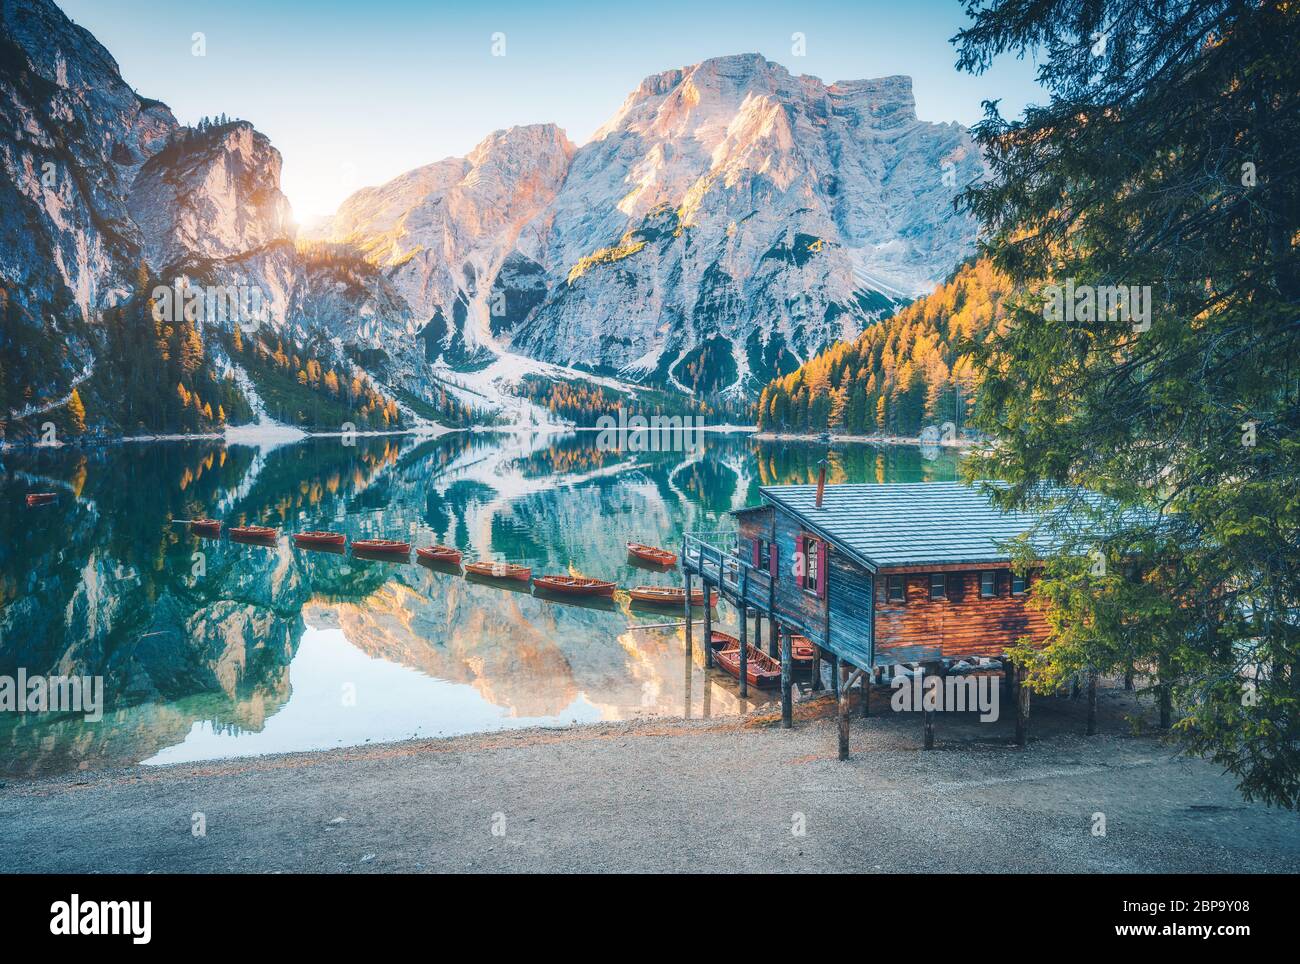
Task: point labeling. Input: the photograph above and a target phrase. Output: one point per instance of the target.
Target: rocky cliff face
(73, 137)
(211, 194)
(729, 220)
(209, 207)
(98, 181)
(726, 223)
(445, 233)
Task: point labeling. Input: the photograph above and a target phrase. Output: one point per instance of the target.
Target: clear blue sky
(355, 93)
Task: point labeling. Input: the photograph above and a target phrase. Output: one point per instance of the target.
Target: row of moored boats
(761, 670)
(446, 556)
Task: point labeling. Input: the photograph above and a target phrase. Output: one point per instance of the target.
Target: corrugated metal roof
(911, 523)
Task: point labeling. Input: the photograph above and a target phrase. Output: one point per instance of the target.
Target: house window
(1019, 584)
(762, 554)
(897, 593)
(988, 584)
(938, 586)
(810, 557)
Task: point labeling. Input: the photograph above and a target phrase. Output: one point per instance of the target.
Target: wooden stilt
(836, 665)
(1092, 703)
(744, 652)
(787, 704)
(773, 630)
(708, 624)
(686, 683)
(927, 715)
(842, 688)
(866, 692)
(686, 579)
(744, 633)
(817, 669)
(1022, 708)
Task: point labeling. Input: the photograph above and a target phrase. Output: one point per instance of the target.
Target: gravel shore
(699, 795)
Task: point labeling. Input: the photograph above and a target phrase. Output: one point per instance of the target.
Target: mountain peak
(724, 83)
(738, 65)
(889, 99)
(212, 192)
(530, 139)
(732, 70)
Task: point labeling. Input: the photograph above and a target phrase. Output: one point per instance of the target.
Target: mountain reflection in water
(210, 648)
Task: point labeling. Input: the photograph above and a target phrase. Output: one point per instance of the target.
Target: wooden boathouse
(875, 576)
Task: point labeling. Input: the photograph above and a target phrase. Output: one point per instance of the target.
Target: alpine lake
(207, 648)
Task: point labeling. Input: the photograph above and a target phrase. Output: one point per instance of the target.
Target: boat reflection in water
(210, 647)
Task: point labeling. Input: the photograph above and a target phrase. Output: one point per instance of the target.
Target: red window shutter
(754, 546)
(821, 569)
(773, 565)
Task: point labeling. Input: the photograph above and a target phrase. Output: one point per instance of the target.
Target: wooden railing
(716, 557)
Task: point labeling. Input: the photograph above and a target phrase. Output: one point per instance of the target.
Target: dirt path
(671, 796)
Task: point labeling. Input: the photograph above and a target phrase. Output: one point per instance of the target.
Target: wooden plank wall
(751, 525)
(961, 625)
(849, 586)
(850, 593)
(790, 598)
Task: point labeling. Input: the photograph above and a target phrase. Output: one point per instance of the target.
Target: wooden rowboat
(500, 570)
(444, 554)
(721, 640)
(210, 528)
(761, 670)
(381, 547)
(670, 596)
(660, 557)
(253, 533)
(575, 586)
(802, 649)
(310, 540)
(40, 498)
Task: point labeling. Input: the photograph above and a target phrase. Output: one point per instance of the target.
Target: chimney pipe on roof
(821, 481)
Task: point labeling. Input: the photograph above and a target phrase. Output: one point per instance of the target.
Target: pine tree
(190, 351)
(76, 414)
(1189, 407)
